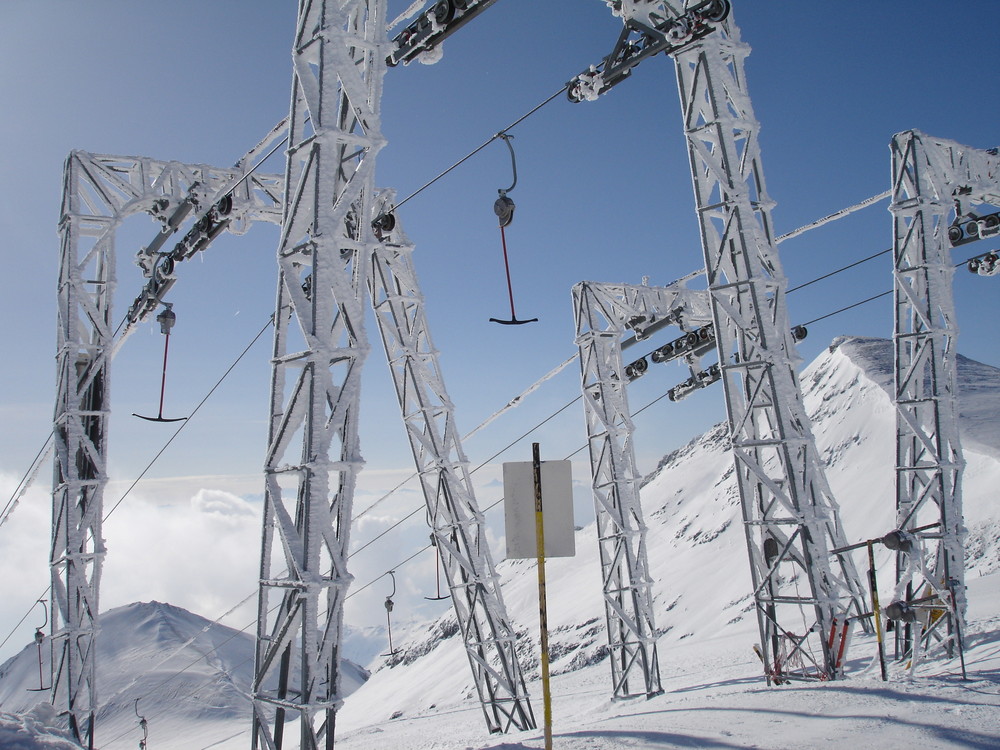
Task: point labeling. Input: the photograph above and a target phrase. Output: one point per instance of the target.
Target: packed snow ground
(715, 697)
(714, 692)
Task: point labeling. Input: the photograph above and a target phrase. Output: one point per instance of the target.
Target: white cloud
(24, 562)
(202, 555)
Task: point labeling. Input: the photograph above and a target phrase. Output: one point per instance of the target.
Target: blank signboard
(557, 509)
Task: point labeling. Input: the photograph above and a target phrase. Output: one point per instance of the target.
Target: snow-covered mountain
(189, 675)
(424, 696)
(696, 545)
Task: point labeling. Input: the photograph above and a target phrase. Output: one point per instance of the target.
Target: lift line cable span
(282, 123)
(834, 216)
(28, 479)
(499, 134)
(877, 296)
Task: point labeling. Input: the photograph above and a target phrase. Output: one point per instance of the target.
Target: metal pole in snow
(876, 609)
(543, 620)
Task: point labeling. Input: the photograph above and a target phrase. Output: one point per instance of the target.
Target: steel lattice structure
(603, 313)
(932, 180)
(327, 258)
(803, 603)
(458, 526)
(99, 192)
(331, 250)
(313, 454)
(790, 516)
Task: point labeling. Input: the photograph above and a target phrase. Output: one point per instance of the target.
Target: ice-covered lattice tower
(936, 189)
(339, 242)
(99, 192)
(802, 597)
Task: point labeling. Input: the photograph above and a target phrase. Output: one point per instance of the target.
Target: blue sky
(603, 194)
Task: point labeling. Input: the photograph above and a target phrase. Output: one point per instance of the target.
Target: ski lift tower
(932, 179)
(99, 192)
(603, 313)
(338, 238)
(790, 516)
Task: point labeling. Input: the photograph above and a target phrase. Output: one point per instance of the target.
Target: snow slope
(715, 695)
(697, 550)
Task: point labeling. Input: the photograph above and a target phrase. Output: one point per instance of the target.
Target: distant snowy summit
(184, 670)
(978, 387)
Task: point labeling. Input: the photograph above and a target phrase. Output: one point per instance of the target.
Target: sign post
(532, 533)
(543, 618)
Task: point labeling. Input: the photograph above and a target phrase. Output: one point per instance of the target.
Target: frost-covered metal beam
(790, 516)
(99, 192)
(320, 343)
(933, 180)
(603, 314)
(426, 34)
(457, 524)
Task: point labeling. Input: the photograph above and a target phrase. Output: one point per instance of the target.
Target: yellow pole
(543, 620)
(876, 609)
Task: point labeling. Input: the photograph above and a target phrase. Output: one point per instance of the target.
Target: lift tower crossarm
(603, 313)
(647, 32)
(99, 192)
(442, 19)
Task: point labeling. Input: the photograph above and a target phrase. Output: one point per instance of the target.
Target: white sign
(557, 509)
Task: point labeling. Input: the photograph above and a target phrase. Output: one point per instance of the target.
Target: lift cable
(839, 270)
(834, 216)
(875, 297)
(28, 479)
(479, 148)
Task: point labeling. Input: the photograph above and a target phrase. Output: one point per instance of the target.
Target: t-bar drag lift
(437, 573)
(503, 207)
(39, 639)
(166, 319)
(388, 613)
